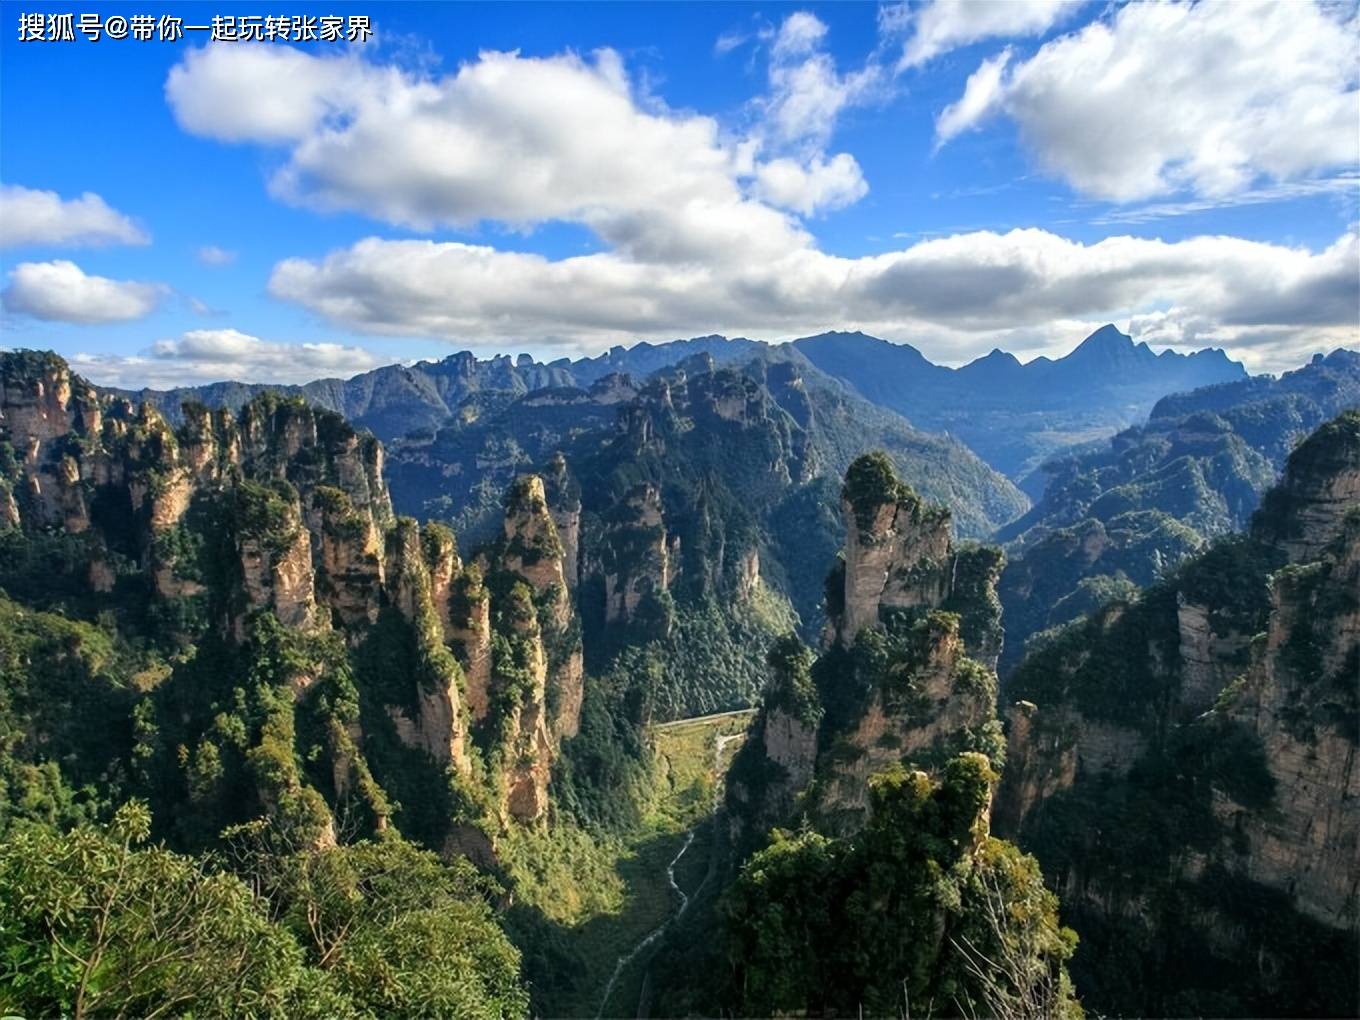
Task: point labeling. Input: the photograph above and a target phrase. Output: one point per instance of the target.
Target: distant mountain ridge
(1119, 515)
(1012, 414)
(751, 448)
(1015, 415)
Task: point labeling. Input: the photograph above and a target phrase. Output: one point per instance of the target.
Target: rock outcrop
(533, 553)
(637, 564)
(906, 676)
(440, 722)
(1225, 703)
(279, 514)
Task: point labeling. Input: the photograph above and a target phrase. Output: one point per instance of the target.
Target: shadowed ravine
(720, 742)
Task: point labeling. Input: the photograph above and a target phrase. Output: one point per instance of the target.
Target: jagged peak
(1106, 342)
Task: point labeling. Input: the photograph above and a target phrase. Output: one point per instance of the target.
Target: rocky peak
(275, 553)
(40, 400)
(439, 726)
(1321, 485)
(522, 665)
(532, 548)
(897, 551)
(563, 494)
(636, 556)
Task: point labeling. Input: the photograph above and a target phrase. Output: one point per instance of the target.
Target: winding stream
(656, 932)
(721, 741)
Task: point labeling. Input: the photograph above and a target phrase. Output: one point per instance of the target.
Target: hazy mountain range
(1012, 415)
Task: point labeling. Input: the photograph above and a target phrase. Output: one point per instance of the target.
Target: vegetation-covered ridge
(885, 749)
(1196, 745)
(226, 621)
(1123, 515)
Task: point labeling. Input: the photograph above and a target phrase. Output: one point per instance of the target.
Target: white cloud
(943, 25)
(1344, 186)
(32, 217)
(799, 35)
(214, 355)
(700, 226)
(821, 185)
(61, 291)
(212, 255)
(729, 41)
(960, 292)
(259, 93)
(511, 139)
(1209, 97)
(786, 146)
(522, 141)
(979, 97)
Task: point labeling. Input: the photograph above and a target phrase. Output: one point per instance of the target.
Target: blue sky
(557, 178)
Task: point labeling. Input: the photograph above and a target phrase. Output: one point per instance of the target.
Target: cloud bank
(704, 228)
(214, 355)
(61, 291)
(29, 217)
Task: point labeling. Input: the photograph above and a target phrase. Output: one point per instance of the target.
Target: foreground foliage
(96, 922)
(922, 911)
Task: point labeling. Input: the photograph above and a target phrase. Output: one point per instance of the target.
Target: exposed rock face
(568, 677)
(1299, 699)
(943, 700)
(441, 557)
(1321, 486)
(748, 574)
(276, 573)
(351, 561)
(637, 555)
(1046, 752)
(440, 723)
(1231, 692)
(913, 619)
(527, 742)
(533, 550)
(1208, 661)
(791, 744)
(564, 503)
(896, 556)
(535, 553)
(468, 630)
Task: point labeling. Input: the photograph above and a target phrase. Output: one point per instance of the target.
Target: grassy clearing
(604, 896)
(685, 757)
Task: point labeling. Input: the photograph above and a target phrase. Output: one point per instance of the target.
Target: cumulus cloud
(807, 93)
(1158, 98)
(939, 26)
(213, 355)
(522, 141)
(979, 97)
(795, 118)
(961, 291)
(61, 291)
(822, 184)
(32, 217)
(509, 139)
(212, 255)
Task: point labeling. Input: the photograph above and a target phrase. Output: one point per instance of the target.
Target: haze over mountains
(1012, 415)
